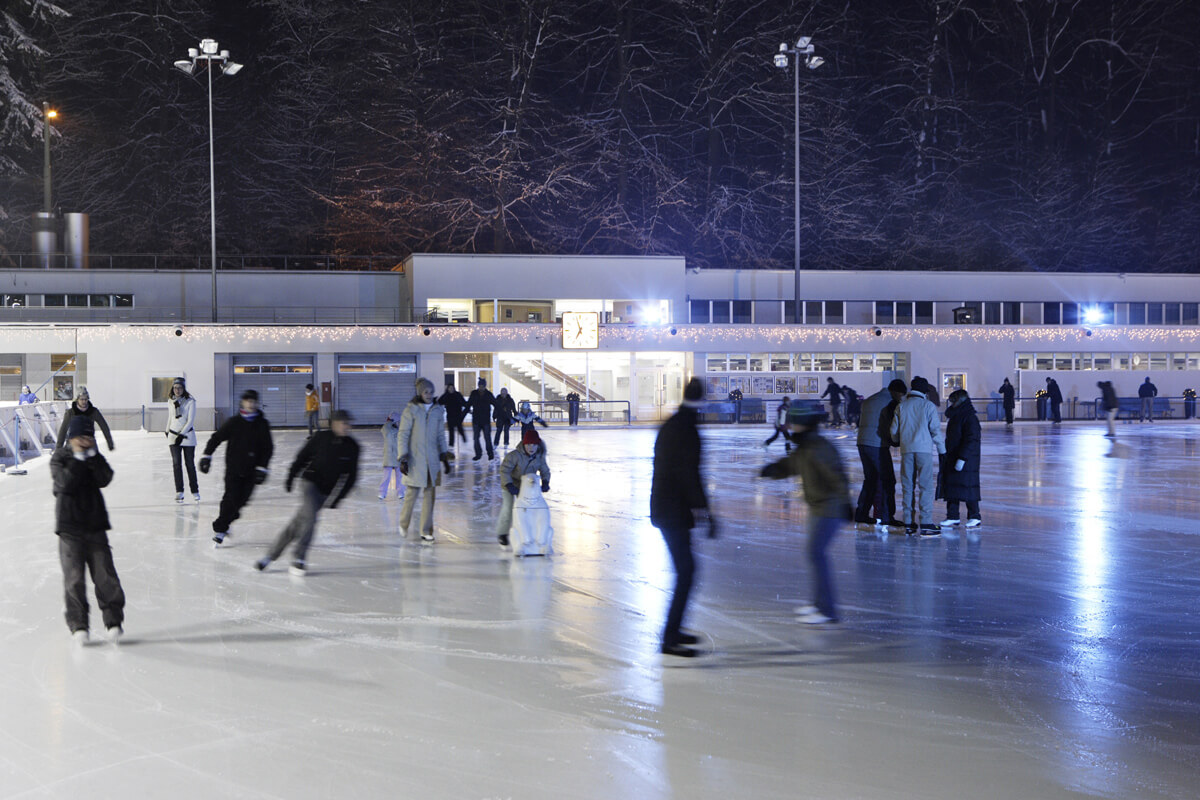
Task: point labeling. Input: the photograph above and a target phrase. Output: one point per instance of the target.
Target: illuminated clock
(580, 330)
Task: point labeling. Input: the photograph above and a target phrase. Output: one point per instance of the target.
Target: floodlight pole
(212, 194)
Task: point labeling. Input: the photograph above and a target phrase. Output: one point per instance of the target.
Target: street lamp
(210, 54)
(48, 114)
(803, 47)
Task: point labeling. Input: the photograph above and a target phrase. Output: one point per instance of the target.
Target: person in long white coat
(181, 437)
(528, 460)
(391, 460)
(424, 453)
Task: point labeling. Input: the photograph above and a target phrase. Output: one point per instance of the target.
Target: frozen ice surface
(1053, 655)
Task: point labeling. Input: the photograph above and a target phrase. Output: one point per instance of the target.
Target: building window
(924, 312)
(789, 312)
(54, 300)
(1154, 314)
(885, 312)
(813, 313)
(467, 360)
(1171, 314)
(1051, 313)
(1191, 313)
(15, 300)
(737, 362)
(720, 311)
(835, 312)
(1137, 313)
(741, 312)
(758, 362)
(699, 311)
(781, 362)
(904, 313)
(717, 362)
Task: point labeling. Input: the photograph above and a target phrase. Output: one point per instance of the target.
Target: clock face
(580, 330)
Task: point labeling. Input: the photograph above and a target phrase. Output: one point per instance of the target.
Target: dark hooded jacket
(962, 443)
(93, 414)
(325, 460)
(79, 508)
(676, 487)
(250, 444)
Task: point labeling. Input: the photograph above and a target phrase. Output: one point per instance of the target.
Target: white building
(365, 337)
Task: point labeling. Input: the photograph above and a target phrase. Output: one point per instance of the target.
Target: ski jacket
(311, 401)
(96, 417)
(480, 403)
(517, 463)
(421, 441)
(1009, 393)
(527, 418)
(249, 444)
(1147, 389)
(963, 436)
(181, 420)
(391, 458)
(325, 460)
(823, 479)
(676, 487)
(25, 398)
(833, 392)
(915, 425)
(875, 420)
(1108, 396)
(1054, 392)
(79, 508)
(506, 409)
(455, 405)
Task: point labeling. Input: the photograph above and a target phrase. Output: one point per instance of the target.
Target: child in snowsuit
(526, 417)
(328, 457)
(827, 493)
(528, 459)
(81, 522)
(391, 459)
(246, 458)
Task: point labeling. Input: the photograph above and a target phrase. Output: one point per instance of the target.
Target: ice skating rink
(1055, 654)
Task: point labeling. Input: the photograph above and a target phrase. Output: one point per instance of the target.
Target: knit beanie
(531, 437)
(80, 425)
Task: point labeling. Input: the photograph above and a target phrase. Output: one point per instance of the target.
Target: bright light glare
(651, 315)
(1093, 315)
(51, 114)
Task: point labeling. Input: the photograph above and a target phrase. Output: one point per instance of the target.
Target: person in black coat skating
(675, 490)
(81, 522)
(327, 459)
(1054, 394)
(247, 455)
(960, 464)
(506, 409)
(83, 406)
(481, 403)
(573, 408)
(1009, 394)
(1147, 392)
(834, 393)
(456, 409)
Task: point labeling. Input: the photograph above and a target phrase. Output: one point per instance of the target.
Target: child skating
(247, 453)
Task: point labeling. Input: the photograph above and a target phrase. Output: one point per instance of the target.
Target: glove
(404, 466)
(776, 470)
(512, 489)
(180, 439)
(545, 486)
(260, 475)
(166, 433)
(958, 465)
(712, 527)
(287, 485)
(446, 459)
(544, 425)
(205, 464)
(335, 502)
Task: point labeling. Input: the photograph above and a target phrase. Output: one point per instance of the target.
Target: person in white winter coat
(528, 459)
(424, 453)
(916, 428)
(391, 460)
(181, 437)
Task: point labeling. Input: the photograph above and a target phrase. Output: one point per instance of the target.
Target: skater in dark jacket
(456, 409)
(1147, 392)
(960, 464)
(81, 522)
(827, 493)
(834, 393)
(1009, 394)
(480, 403)
(83, 405)
(247, 455)
(676, 489)
(1110, 405)
(327, 459)
(1055, 396)
(505, 411)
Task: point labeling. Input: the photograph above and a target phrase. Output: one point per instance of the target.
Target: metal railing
(591, 412)
(1130, 408)
(291, 262)
(283, 315)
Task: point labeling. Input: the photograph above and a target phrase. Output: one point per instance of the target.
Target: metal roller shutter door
(372, 386)
(279, 381)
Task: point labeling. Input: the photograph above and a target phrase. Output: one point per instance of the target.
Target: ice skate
(427, 537)
(804, 610)
(298, 569)
(950, 523)
(115, 633)
(262, 564)
(219, 537)
(80, 637)
(196, 497)
(930, 532)
(816, 618)
(179, 497)
(679, 650)
(974, 523)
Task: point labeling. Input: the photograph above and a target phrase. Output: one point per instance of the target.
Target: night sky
(938, 135)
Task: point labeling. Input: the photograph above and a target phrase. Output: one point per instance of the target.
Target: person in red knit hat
(528, 459)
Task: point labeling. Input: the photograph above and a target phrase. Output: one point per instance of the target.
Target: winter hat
(82, 392)
(308, 387)
(80, 426)
(897, 385)
(919, 384)
(694, 391)
(807, 414)
(179, 382)
(531, 437)
(250, 394)
(483, 381)
(341, 415)
(25, 389)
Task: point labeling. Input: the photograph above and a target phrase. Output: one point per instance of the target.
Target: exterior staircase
(528, 373)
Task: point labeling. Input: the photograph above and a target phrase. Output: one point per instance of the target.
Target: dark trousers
(835, 413)
(972, 509)
(188, 457)
(679, 545)
(451, 427)
(502, 426)
(238, 489)
(314, 422)
(302, 525)
(572, 412)
(94, 555)
(1008, 414)
(820, 533)
(1056, 411)
(879, 483)
(482, 427)
(779, 431)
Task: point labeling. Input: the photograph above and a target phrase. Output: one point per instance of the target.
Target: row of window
(928, 312)
(1142, 362)
(805, 362)
(70, 300)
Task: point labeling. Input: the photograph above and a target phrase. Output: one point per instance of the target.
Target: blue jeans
(820, 534)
